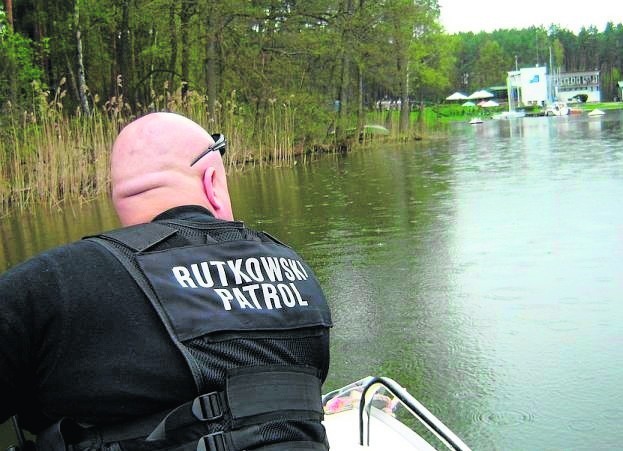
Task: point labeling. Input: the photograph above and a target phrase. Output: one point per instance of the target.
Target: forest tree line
(329, 61)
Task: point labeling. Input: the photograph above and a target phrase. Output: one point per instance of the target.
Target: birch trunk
(211, 64)
(82, 83)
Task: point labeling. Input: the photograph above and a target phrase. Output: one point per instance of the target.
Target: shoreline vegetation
(49, 157)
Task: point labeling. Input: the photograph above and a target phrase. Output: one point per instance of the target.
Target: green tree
(432, 57)
(20, 72)
(408, 24)
(588, 43)
(492, 65)
(558, 54)
(569, 44)
(611, 46)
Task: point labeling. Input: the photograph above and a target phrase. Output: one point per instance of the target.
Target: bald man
(183, 330)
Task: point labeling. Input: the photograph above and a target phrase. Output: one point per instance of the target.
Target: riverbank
(48, 156)
(446, 113)
(598, 105)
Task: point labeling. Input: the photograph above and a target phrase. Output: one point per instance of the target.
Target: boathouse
(527, 86)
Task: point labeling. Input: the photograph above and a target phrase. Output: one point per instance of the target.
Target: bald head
(151, 171)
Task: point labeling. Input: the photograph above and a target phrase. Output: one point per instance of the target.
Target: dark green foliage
(484, 58)
(20, 73)
(139, 54)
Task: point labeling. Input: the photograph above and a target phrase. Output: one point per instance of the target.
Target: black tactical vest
(251, 321)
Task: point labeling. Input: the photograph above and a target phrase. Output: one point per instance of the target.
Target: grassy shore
(48, 156)
(445, 113)
(599, 105)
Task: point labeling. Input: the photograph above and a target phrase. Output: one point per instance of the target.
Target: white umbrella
(482, 94)
(457, 96)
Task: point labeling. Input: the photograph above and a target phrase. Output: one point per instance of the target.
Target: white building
(565, 86)
(532, 86)
(527, 86)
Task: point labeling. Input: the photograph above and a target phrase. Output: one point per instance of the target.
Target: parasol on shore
(482, 94)
(457, 96)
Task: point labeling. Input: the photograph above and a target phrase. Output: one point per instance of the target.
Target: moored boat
(557, 109)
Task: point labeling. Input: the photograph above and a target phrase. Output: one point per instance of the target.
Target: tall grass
(52, 157)
(47, 155)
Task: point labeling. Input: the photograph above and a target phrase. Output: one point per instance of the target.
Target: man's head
(151, 169)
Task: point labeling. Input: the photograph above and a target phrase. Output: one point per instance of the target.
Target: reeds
(47, 155)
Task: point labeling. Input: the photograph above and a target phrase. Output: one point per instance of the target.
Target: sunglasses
(220, 144)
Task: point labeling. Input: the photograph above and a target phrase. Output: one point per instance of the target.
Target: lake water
(482, 270)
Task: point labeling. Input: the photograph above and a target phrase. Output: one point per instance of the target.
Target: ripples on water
(483, 272)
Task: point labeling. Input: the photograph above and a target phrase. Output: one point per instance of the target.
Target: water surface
(483, 271)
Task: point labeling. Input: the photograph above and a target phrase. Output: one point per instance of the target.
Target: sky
(489, 15)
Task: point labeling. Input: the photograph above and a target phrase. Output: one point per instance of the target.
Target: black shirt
(79, 339)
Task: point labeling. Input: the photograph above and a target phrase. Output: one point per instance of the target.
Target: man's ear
(210, 188)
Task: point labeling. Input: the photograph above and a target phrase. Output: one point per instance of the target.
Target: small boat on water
(557, 109)
(596, 112)
(476, 120)
(374, 413)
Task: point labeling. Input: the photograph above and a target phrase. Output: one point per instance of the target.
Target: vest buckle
(208, 407)
(213, 442)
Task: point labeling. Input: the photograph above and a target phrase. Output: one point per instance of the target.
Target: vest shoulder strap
(138, 240)
(265, 236)
(140, 237)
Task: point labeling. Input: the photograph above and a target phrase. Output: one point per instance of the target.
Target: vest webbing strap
(252, 395)
(52, 438)
(294, 446)
(250, 438)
